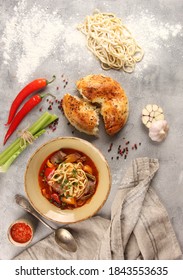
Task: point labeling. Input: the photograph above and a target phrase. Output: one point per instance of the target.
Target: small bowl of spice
(20, 233)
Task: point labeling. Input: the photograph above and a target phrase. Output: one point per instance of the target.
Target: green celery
(15, 149)
(6, 165)
(41, 123)
(16, 143)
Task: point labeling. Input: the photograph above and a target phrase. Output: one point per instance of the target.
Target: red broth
(53, 196)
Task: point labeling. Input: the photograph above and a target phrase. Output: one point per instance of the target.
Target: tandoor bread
(81, 114)
(110, 95)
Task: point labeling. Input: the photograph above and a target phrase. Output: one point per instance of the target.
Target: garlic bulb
(158, 130)
(152, 113)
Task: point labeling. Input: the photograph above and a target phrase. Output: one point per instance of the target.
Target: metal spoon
(62, 236)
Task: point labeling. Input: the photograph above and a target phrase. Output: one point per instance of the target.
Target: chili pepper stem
(49, 82)
(47, 94)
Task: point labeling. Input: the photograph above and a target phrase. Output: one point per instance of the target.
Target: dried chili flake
(50, 108)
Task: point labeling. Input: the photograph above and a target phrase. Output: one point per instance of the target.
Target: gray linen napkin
(139, 227)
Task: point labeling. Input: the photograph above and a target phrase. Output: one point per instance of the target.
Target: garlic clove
(162, 132)
(158, 130)
(155, 107)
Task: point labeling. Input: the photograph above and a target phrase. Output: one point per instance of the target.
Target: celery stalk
(41, 123)
(14, 150)
(16, 143)
(6, 165)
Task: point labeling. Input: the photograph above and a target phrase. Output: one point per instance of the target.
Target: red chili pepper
(49, 172)
(55, 197)
(27, 107)
(25, 92)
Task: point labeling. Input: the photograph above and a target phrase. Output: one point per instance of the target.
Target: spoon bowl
(62, 236)
(65, 239)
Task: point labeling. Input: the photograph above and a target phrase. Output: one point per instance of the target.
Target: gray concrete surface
(157, 26)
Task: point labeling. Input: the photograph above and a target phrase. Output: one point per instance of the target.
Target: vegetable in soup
(68, 178)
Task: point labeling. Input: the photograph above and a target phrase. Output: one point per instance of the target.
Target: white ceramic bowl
(47, 209)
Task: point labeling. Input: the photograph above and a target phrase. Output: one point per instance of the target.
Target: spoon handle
(24, 203)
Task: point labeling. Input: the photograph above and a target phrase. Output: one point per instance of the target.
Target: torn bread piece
(112, 98)
(82, 115)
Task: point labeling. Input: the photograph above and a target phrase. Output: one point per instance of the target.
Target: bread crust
(82, 115)
(112, 98)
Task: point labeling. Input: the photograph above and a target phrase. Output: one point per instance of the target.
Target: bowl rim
(93, 147)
